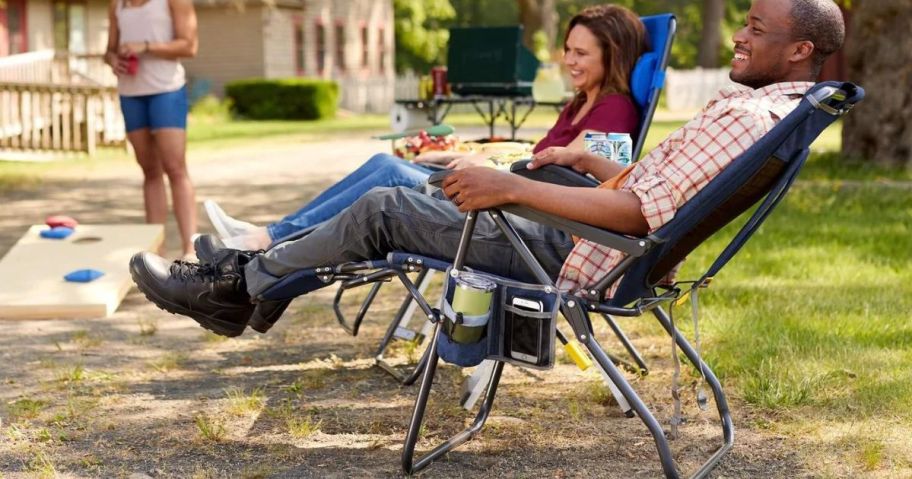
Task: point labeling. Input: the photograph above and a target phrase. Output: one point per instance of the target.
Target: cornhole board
(31, 273)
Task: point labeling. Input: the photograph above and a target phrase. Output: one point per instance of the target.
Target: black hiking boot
(207, 246)
(213, 294)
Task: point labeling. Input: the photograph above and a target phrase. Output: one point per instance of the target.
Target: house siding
(362, 88)
(40, 25)
(231, 46)
(96, 26)
(278, 41)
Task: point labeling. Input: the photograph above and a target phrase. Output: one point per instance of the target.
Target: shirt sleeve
(696, 156)
(613, 114)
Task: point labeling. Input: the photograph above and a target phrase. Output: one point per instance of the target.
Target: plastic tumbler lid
(475, 281)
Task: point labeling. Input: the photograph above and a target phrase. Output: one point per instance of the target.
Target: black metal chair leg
(365, 305)
(408, 451)
(406, 379)
(658, 434)
(403, 315)
(631, 349)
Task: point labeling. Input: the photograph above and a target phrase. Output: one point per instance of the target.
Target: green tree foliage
(690, 25)
(485, 13)
(421, 33)
(421, 25)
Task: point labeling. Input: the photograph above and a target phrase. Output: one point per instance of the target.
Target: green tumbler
(472, 298)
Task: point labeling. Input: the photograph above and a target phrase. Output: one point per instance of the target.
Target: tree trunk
(879, 56)
(535, 15)
(711, 36)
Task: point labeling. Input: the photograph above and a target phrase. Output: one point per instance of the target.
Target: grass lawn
(808, 326)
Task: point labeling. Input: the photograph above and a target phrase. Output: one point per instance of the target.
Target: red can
(439, 77)
(132, 65)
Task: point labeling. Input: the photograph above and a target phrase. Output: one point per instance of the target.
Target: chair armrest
(558, 175)
(627, 244)
(436, 178)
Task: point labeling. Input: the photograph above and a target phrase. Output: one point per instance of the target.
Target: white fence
(58, 102)
(692, 89)
(52, 117)
(374, 95)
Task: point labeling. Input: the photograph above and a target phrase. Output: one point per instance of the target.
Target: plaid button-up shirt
(684, 163)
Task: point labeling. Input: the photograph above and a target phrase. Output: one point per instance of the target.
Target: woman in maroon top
(601, 47)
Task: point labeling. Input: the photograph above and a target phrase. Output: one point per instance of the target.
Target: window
(365, 59)
(61, 26)
(69, 20)
(300, 61)
(13, 18)
(381, 49)
(340, 47)
(321, 47)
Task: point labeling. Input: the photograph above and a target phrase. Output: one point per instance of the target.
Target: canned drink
(621, 147)
(597, 143)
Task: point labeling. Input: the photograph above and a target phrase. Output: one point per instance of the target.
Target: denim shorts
(161, 110)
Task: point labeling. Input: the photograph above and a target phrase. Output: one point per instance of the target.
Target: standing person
(146, 40)
(601, 48)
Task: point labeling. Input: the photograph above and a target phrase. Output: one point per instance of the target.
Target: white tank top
(150, 22)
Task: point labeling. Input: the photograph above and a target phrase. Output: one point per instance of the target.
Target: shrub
(210, 109)
(290, 98)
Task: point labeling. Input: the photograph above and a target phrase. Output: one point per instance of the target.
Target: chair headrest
(643, 78)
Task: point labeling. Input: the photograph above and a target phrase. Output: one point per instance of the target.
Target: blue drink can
(597, 143)
(621, 147)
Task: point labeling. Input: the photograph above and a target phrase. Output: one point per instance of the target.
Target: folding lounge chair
(647, 80)
(764, 172)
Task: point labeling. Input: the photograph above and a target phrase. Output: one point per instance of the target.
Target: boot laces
(190, 271)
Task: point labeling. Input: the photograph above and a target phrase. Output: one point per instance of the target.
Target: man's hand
(477, 188)
(559, 155)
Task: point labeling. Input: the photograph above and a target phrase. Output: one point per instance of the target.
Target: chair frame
(575, 308)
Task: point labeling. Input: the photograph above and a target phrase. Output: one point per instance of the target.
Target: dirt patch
(147, 394)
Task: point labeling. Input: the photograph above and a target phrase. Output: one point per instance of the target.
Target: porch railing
(58, 102)
(36, 116)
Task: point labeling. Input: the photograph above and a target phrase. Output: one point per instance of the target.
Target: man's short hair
(821, 23)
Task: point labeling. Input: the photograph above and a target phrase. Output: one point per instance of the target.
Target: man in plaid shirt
(777, 55)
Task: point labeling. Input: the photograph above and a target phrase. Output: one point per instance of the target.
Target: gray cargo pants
(412, 220)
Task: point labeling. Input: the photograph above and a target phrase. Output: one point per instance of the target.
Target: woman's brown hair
(622, 37)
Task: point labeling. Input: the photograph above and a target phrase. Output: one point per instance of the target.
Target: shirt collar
(775, 89)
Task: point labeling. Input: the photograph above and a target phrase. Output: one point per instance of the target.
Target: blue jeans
(380, 170)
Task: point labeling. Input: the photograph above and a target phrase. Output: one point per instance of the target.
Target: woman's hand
(559, 155)
(133, 48)
(466, 161)
(116, 62)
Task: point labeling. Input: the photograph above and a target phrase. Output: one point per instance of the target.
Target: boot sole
(216, 325)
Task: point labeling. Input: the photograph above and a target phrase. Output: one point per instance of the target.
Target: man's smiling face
(764, 45)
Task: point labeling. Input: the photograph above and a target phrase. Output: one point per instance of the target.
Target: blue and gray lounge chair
(763, 174)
